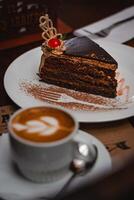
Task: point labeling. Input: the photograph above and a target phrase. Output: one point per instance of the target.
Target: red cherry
(54, 42)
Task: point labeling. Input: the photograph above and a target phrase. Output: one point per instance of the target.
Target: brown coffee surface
(42, 124)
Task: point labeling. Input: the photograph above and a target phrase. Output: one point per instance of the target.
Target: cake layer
(73, 77)
(79, 60)
(83, 87)
(93, 73)
(79, 67)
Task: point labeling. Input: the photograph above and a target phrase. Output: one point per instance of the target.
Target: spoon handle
(59, 194)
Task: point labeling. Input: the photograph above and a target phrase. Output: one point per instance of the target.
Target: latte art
(43, 124)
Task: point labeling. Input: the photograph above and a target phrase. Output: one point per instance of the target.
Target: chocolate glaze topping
(84, 47)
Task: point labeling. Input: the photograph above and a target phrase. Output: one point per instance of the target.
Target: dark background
(71, 11)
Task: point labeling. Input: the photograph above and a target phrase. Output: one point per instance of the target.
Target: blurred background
(21, 17)
(78, 13)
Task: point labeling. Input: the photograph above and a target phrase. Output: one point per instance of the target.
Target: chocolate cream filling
(73, 77)
(79, 68)
(81, 86)
(80, 60)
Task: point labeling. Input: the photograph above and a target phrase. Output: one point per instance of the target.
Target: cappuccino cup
(42, 142)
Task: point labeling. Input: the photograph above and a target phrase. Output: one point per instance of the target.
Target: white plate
(25, 68)
(15, 187)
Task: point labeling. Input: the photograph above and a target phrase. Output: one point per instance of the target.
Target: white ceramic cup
(46, 161)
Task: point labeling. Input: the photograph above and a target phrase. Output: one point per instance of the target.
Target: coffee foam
(43, 126)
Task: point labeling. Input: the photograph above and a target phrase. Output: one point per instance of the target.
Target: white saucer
(14, 187)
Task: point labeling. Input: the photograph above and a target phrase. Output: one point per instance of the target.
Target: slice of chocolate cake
(83, 66)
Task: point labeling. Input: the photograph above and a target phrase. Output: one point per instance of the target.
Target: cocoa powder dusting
(95, 102)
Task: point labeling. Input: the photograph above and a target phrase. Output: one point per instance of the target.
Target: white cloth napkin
(120, 34)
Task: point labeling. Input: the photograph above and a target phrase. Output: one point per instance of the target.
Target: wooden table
(116, 136)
